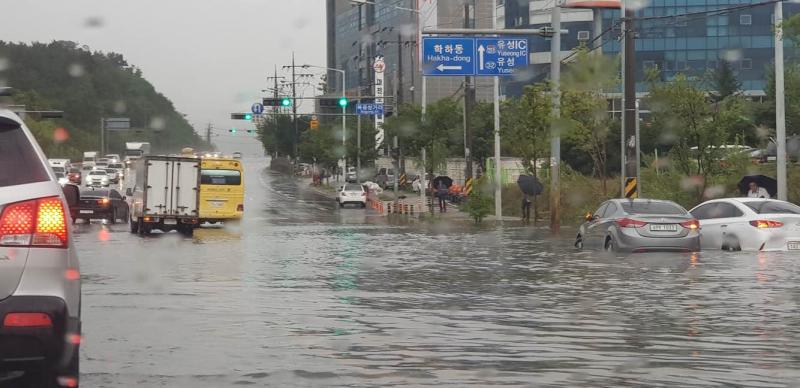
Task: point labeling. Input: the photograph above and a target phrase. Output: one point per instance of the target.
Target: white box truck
(135, 150)
(89, 158)
(164, 194)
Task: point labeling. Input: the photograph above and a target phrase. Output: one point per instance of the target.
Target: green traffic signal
(343, 102)
(286, 101)
(248, 116)
(232, 130)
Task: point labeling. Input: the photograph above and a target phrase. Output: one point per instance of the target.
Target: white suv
(40, 290)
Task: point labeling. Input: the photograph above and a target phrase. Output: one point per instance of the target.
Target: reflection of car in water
(221, 190)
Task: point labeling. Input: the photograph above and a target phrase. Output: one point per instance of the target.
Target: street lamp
(344, 112)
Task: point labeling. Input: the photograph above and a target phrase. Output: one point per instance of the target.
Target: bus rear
(221, 190)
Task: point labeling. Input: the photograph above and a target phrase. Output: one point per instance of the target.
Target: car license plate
(87, 211)
(663, 228)
(793, 245)
(170, 221)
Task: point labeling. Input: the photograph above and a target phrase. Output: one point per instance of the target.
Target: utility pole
(631, 167)
(208, 134)
(469, 102)
(294, 109)
(555, 137)
(780, 104)
(498, 184)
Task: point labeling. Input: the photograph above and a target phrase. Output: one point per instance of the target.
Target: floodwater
(304, 294)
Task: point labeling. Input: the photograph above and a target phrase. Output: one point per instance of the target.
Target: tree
(724, 81)
(587, 124)
(526, 123)
(479, 203)
(692, 127)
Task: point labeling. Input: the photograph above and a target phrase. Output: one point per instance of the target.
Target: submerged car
(639, 225)
(750, 224)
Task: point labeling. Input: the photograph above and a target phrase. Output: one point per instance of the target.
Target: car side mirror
(72, 194)
(128, 192)
(589, 217)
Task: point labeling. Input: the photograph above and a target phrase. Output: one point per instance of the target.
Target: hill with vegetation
(89, 85)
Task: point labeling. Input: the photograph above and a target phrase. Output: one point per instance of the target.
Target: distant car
(101, 163)
(97, 178)
(113, 158)
(59, 169)
(40, 287)
(352, 193)
(63, 163)
(120, 168)
(237, 155)
(639, 225)
(102, 204)
(74, 175)
(351, 174)
(113, 174)
(750, 224)
(62, 178)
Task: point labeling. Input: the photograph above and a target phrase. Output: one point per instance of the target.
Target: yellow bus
(221, 190)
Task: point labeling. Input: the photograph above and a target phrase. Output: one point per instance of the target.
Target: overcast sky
(210, 57)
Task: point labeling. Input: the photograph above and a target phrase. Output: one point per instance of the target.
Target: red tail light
(27, 320)
(40, 222)
(240, 208)
(691, 224)
(763, 224)
(629, 223)
(103, 201)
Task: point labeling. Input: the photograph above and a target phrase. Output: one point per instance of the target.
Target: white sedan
(750, 224)
(352, 193)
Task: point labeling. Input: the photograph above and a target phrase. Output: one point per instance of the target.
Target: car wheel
(579, 242)
(610, 246)
(134, 225)
(140, 227)
(731, 244)
(113, 218)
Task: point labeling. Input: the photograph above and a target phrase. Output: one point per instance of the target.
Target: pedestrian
(526, 208)
(441, 192)
(757, 192)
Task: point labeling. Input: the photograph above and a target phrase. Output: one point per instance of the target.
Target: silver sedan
(639, 225)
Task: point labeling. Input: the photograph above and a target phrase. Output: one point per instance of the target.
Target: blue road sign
(371, 109)
(257, 108)
(448, 56)
(500, 56)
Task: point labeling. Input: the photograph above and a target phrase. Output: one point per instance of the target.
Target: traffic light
(241, 116)
(232, 130)
(343, 102)
(286, 102)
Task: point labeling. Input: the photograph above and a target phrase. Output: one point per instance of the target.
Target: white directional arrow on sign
(481, 49)
(443, 67)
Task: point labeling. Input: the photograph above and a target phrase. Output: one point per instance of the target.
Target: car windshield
(648, 208)
(116, 165)
(111, 171)
(221, 177)
(95, 194)
(353, 188)
(98, 172)
(19, 163)
(773, 207)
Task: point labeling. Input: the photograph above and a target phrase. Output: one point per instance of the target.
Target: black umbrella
(770, 184)
(444, 179)
(530, 185)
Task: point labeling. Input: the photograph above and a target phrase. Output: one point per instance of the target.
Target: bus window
(220, 177)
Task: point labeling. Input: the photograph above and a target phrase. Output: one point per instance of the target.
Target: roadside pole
(498, 185)
(780, 104)
(102, 135)
(555, 140)
(630, 141)
(344, 127)
(358, 140)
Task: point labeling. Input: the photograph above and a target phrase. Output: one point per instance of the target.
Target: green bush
(479, 203)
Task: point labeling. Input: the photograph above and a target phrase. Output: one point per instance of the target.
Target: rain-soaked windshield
(399, 193)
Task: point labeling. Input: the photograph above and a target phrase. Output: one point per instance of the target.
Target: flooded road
(305, 294)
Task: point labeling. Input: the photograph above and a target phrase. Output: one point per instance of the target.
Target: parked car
(639, 225)
(102, 204)
(751, 224)
(40, 289)
(352, 193)
(97, 178)
(74, 175)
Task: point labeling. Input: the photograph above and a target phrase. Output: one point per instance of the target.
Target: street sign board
(500, 56)
(369, 109)
(448, 56)
(117, 124)
(257, 108)
(460, 56)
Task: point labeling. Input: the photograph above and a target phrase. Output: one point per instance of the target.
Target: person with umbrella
(526, 208)
(530, 186)
(756, 191)
(441, 192)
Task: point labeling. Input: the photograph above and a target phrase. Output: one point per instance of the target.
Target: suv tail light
(629, 223)
(240, 207)
(40, 222)
(691, 224)
(27, 320)
(763, 224)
